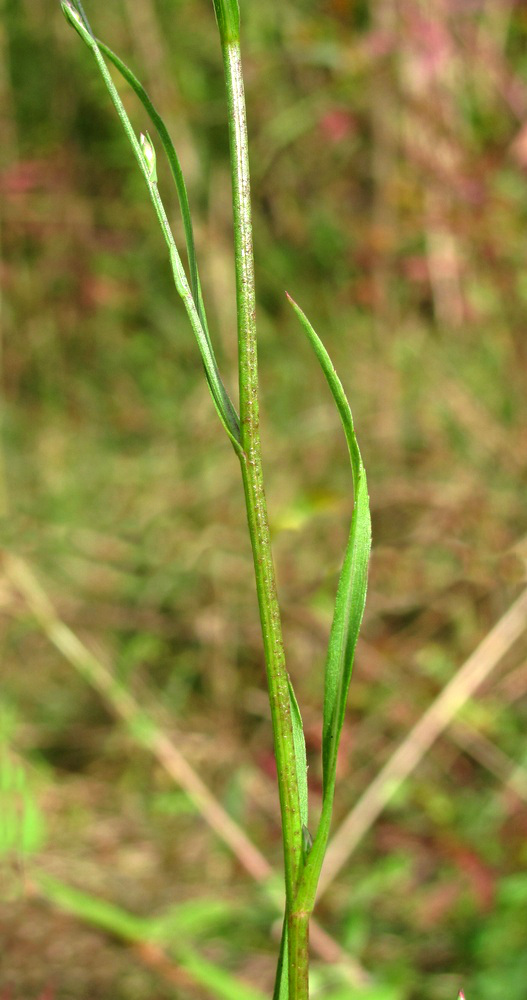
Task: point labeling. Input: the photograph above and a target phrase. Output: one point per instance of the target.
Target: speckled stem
(251, 466)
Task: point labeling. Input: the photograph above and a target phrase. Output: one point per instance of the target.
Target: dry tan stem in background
(151, 736)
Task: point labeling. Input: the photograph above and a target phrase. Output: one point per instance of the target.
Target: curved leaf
(175, 169)
(224, 406)
(352, 586)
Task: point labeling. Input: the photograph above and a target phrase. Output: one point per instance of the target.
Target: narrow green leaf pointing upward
(300, 756)
(347, 618)
(145, 156)
(175, 169)
(351, 592)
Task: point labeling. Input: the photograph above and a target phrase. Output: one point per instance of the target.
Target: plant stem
(251, 466)
(298, 926)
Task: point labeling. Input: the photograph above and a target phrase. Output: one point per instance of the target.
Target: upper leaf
(351, 591)
(193, 305)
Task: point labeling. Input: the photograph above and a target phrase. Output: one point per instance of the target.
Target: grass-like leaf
(175, 169)
(133, 929)
(352, 586)
(224, 406)
(347, 618)
(300, 755)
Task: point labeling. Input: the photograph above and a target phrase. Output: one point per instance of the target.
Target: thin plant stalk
(252, 475)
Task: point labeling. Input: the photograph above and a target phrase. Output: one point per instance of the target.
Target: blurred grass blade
(217, 981)
(196, 916)
(224, 406)
(136, 930)
(93, 910)
(300, 755)
(220, 984)
(175, 169)
(351, 591)
(22, 828)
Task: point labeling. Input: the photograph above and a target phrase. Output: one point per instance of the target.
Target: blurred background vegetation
(389, 158)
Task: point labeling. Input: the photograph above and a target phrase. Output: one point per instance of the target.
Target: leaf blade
(175, 169)
(351, 591)
(224, 406)
(112, 919)
(300, 755)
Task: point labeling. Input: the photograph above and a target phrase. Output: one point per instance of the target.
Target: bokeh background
(389, 159)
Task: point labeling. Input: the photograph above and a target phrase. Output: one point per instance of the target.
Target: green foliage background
(390, 198)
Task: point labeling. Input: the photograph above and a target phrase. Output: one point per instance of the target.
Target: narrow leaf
(220, 983)
(130, 928)
(300, 755)
(93, 910)
(175, 169)
(220, 396)
(351, 591)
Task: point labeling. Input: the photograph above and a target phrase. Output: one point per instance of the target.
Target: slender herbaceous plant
(304, 848)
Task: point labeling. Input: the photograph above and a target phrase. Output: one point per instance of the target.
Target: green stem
(251, 466)
(298, 937)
